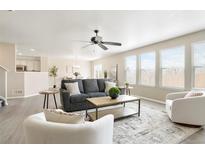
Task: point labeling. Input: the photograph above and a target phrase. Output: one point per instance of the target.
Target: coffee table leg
(47, 100)
(55, 101)
(44, 102)
(138, 107)
(96, 113)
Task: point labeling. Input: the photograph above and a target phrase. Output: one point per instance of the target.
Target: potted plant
(127, 85)
(53, 73)
(105, 74)
(114, 92)
(76, 74)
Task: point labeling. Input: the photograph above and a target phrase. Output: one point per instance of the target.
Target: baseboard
(152, 100)
(16, 97)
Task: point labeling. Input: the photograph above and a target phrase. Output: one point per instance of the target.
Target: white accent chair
(186, 110)
(39, 131)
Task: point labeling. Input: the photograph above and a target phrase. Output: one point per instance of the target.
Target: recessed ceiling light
(32, 49)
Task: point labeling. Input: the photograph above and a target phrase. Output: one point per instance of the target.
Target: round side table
(46, 94)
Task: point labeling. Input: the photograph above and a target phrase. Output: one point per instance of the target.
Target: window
(199, 65)
(172, 67)
(147, 69)
(130, 69)
(98, 71)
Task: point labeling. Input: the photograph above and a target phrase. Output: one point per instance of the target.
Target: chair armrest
(190, 100)
(189, 110)
(65, 99)
(173, 96)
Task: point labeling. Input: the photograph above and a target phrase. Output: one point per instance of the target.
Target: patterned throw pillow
(73, 88)
(194, 94)
(59, 116)
(109, 85)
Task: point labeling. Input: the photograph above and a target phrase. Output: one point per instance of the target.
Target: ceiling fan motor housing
(96, 39)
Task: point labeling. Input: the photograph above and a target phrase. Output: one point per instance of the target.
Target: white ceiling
(56, 33)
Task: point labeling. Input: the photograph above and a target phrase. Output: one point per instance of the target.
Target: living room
(101, 77)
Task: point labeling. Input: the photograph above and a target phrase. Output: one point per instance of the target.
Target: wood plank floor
(13, 115)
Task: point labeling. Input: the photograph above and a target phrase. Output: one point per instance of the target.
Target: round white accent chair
(39, 131)
(189, 110)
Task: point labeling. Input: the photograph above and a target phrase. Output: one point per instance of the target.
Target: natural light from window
(98, 71)
(172, 67)
(130, 69)
(147, 69)
(199, 65)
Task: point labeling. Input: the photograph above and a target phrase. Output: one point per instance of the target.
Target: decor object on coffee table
(114, 92)
(39, 131)
(187, 110)
(46, 94)
(53, 73)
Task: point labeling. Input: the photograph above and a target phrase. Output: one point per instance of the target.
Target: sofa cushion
(96, 94)
(80, 98)
(80, 84)
(73, 88)
(90, 85)
(101, 84)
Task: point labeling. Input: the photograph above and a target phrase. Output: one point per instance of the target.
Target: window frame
(193, 68)
(160, 68)
(136, 72)
(94, 70)
(155, 68)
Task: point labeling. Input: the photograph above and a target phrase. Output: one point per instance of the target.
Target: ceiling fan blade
(102, 46)
(112, 43)
(81, 41)
(85, 46)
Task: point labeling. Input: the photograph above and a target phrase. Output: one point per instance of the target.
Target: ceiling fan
(97, 40)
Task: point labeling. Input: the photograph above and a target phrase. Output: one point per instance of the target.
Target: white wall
(65, 68)
(155, 92)
(34, 82)
(7, 56)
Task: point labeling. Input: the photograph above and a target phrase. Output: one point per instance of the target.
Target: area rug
(152, 127)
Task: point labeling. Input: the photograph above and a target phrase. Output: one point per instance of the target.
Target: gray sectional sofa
(88, 88)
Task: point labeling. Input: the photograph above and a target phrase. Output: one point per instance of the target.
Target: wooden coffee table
(120, 112)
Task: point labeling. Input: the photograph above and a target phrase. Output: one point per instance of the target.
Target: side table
(126, 89)
(46, 94)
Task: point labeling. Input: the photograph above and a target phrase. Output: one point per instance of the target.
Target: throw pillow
(59, 116)
(109, 85)
(73, 88)
(194, 94)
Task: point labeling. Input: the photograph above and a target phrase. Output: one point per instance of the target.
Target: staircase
(3, 86)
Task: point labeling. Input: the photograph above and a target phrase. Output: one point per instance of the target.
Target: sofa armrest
(173, 96)
(65, 99)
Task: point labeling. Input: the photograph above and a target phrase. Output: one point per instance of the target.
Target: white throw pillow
(194, 94)
(72, 88)
(109, 85)
(59, 116)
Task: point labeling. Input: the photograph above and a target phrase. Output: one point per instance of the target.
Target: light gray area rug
(152, 127)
